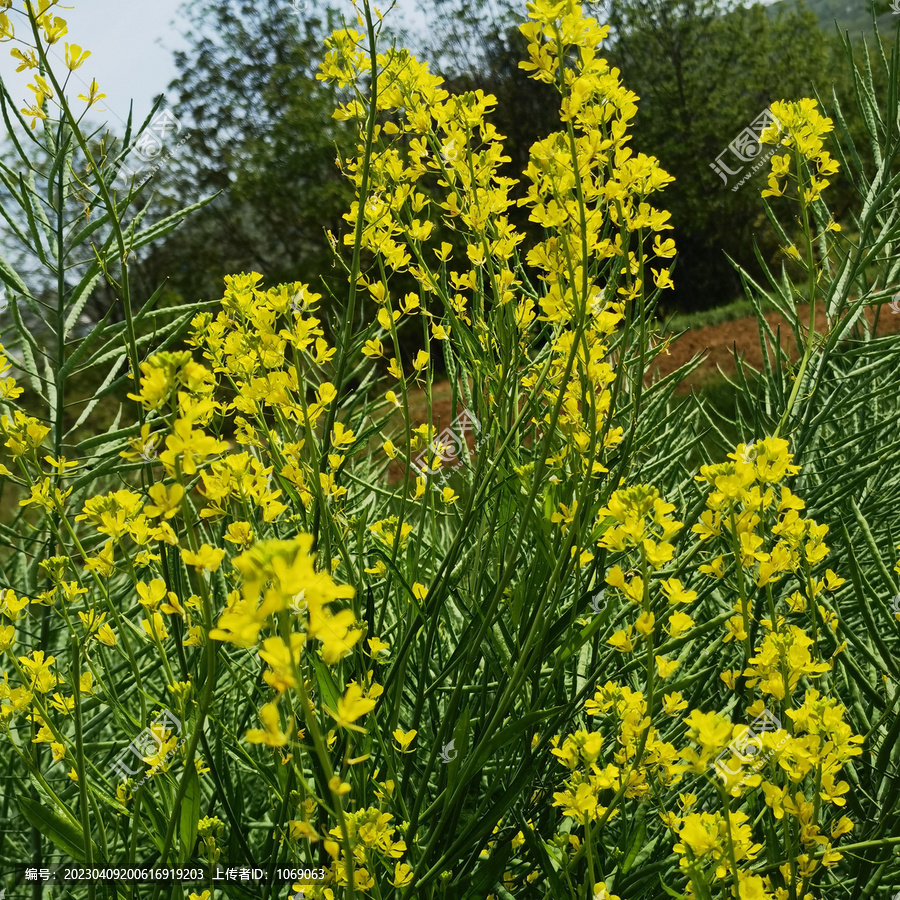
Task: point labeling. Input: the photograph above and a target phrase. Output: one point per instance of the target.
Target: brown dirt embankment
(718, 343)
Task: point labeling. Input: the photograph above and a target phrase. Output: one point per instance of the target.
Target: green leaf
(10, 277)
(29, 348)
(672, 893)
(486, 877)
(190, 815)
(63, 831)
(539, 849)
(329, 690)
(637, 839)
(81, 295)
(510, 732)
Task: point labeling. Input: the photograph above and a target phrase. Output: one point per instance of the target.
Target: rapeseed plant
(390, 681)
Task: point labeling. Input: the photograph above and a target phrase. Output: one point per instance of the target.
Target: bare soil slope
(716, 343)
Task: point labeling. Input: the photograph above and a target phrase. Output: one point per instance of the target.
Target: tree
(705, 71)
(260, 132)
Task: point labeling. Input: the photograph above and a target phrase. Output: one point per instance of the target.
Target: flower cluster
(637, 525)
(803, 743)
(800, 129)
(636, 757)
(374, 844)
(253, 535)
(274, 573)
(161, 536)
(49, 28)
(755, 521)
(592, 194)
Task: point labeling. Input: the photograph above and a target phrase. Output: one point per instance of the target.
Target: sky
(131, 44)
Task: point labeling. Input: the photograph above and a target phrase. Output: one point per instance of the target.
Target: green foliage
(262, 139)
(70, 232)
(845, 432)
(704, 73)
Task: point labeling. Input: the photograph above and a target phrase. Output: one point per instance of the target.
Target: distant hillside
(854, 16)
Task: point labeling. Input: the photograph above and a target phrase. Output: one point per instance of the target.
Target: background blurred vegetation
(261, 138)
